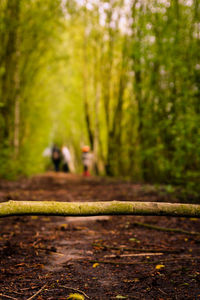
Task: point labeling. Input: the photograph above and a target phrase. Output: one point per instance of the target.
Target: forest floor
(107, 257)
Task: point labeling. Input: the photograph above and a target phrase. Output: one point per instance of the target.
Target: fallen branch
(42, 288)
(120, 262)
(9, 297)
(105, 247)
(15, 208)
(162, 291)
(185, 258)
(77, 290)
(149, 226)
(132, 255)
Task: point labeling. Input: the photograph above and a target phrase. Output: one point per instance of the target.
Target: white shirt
(66, 154)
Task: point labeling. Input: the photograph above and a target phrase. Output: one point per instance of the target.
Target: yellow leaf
(131, 280)
(95, 265)
(158, 267)
(75, 297)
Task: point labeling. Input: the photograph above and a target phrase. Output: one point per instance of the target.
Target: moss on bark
(12, 207)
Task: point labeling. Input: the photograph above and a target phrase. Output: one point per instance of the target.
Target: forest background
(122, 76)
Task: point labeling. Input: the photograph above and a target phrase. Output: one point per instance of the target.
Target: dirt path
(97, 257)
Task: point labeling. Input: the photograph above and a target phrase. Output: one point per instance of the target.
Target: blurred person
(87, 157)
(66, 158)
(47, 152)
(56, 157)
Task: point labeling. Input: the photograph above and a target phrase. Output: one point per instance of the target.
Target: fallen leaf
(75, 297)
(158, 267)
(131, 280)
(134, 240)
(95, 265)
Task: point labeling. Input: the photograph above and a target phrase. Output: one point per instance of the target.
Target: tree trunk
(12, 12)
(13, 208)
(86, 82)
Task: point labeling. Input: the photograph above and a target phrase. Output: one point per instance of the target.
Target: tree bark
(9, 59)
(13, 208)
(86, 83)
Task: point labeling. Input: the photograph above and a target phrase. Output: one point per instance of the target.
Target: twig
(9, 297)
(162, 291)
(133, 254)
(48, 250)
(119, 262)
(77, 290)
(185, 257)
(37, 292)
(105, 247)
(165, 229)
(15, 292)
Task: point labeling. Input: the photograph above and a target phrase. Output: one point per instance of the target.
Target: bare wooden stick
(77, 290)
(42, 288)
(124, 248)
(149, 226)
(185, 258)
(120, 262)
(132, 255)
(9, 297)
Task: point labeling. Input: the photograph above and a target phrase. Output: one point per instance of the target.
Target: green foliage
(78, 76)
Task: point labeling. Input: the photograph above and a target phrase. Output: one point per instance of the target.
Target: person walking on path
(66, 158)
(86, 160)
(56, 158)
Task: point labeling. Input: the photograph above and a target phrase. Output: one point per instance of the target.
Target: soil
(108, 257)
